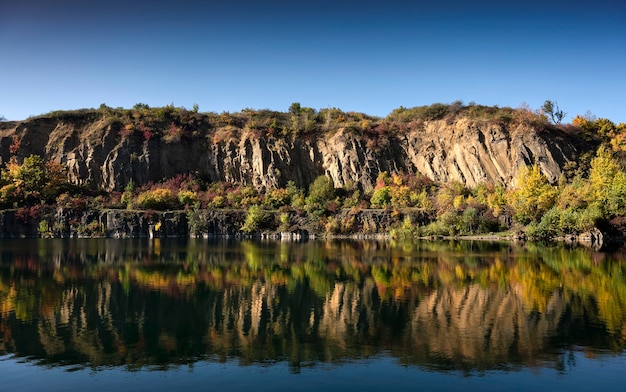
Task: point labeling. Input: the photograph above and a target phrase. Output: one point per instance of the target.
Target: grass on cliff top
(300, 120)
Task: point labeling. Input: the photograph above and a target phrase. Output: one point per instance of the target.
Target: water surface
(339, 315)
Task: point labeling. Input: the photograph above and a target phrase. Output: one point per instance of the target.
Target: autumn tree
(533, 195)
(607, 183)
(31, 174)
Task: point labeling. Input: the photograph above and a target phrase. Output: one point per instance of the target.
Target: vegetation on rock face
(590, 191)
(175, 124)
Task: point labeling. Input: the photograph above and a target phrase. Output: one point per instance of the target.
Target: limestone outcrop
(99, 154)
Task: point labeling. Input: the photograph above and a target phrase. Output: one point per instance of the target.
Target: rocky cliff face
(99, 154)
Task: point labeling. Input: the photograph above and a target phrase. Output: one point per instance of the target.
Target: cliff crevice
(103, 154)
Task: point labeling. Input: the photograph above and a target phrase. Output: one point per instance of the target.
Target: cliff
(106, 152)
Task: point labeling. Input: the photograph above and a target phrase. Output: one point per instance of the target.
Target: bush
(196, 220)
(381, 197)
(254, 219)
(187, 198)
(9, 193)
(406, 231)
(332, 226)
(157, 199)
(278, 198)
(321, 191)
(284, 222)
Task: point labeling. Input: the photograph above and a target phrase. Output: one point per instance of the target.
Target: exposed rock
(592, 238)
(99, 155)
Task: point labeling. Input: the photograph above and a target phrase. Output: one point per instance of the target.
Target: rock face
(99, 155)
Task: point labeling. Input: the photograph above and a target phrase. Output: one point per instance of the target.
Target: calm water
(347, 315)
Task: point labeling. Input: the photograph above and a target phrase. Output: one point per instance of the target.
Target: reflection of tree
(456, 305)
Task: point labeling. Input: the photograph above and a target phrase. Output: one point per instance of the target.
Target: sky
(365, 56)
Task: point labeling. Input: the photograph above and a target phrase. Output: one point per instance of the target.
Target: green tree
(552, 110)
(295, 108)
(469, 222)
(141, 106)
(321, 191)
(32, 174)
(381, 197)
(253, 220)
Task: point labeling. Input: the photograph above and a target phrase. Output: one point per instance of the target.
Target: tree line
(590, 192)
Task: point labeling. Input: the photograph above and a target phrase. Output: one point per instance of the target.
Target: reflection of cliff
(472, 325)
(256, 305)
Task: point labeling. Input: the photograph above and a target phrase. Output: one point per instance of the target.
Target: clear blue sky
(366, 56)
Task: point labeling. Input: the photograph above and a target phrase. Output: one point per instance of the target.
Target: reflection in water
(442, 306)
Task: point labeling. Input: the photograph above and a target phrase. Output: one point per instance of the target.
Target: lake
(163, 314)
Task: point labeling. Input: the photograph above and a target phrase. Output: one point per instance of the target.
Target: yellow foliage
(157, 199)
(13, 170)
(458, 202)
(187, 197)
(602, 172)
(396, 179)
(533, 195)
(400, 195)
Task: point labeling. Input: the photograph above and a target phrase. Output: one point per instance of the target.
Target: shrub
(217, 201)
(284, 222)
(44, 229)
(254, 219)
(332, 225)
(353, 200)
(321, 191)
(127, 196)
(174, 134)
(157, 199)
(381, 197)
(196, 221)
(278, 198)
(9, 193)
(187, 198)
(27, 214)
(406, 231)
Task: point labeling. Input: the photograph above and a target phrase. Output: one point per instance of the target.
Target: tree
(321, 191)
(533, 195)
(616, 195)
(603, 170)
(254, 219)
(33, 174)
(608, 184)
(141, 106)
(295, 108)
(381, 197)
(552, 110)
